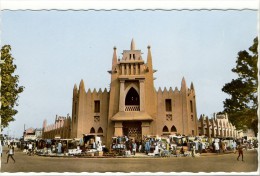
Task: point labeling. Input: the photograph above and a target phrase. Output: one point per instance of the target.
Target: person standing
(203, 147)
(10, 153)
(240, 152)
(1, 148)
(213, 147)
(147, 147)
(234, 145)
(200, 147)
(216, 145)
(134, 147)
(223, 146)
(30, 148)
(192, 148)
(59, 147)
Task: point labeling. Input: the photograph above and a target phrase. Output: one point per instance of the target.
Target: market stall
(120, 145)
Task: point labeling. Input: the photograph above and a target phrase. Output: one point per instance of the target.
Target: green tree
(242, 104)
(9, 87)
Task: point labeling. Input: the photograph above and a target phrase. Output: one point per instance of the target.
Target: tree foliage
(10, 89)
(242, 104)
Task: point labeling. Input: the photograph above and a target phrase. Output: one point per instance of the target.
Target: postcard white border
(127, 4)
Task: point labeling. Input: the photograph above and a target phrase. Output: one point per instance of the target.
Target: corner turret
(192, 86)
(183, 84)
(114, 61)
(81, 86)
(75, 90)
(132, 45)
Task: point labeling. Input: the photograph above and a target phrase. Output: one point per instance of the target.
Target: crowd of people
(180, 145)
(150, 145)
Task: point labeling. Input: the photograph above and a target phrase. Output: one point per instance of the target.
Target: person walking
(240, 152)
(10, 153)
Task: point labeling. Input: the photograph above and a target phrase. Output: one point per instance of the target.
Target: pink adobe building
(218, 126)
(61, 128)
(132, 106)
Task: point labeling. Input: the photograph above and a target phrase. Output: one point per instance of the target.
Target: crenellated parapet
(94, 92)
(184, 90)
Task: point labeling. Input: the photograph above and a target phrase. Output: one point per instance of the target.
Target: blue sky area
(53, 50)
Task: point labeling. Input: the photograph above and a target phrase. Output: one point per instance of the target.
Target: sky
(54, 50)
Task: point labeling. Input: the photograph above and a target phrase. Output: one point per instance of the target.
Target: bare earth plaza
(99, 91)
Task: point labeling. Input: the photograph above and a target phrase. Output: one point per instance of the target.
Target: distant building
(132, 107)
(29, 134)
(247, 134)
(38, 133)
(217, 126)
(60, 129)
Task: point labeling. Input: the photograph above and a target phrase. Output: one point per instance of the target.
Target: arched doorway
(165, 129)
(133, 130)
(92, 130)
(173, 129)
(100, 130)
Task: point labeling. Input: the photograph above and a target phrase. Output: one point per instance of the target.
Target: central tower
(133, 100)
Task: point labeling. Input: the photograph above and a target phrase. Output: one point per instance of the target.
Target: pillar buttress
(122, 96)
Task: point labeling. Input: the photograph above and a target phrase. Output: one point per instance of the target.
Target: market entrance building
(132, 106)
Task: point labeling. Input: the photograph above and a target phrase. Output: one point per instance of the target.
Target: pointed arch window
(92, 130)
(100, 130)
(132, 97)
(173, 129)
(165, 129)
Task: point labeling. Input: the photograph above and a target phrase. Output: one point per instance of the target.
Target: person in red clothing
(240, 152)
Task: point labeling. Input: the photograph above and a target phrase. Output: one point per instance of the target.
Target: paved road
(210, 163)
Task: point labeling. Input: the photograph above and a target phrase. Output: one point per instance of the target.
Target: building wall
(217, 126)
(180, 114)
(127, 73)
(60, 128)
(85, 120)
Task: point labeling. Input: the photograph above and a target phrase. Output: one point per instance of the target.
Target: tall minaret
(81, 109)
(114, 86)
(149, 85)
(184, 106)
(114, 60)
(150, 93)
(74, 111)
(183, 85)
(113, 95)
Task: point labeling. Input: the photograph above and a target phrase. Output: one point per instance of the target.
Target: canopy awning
(131, 116)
